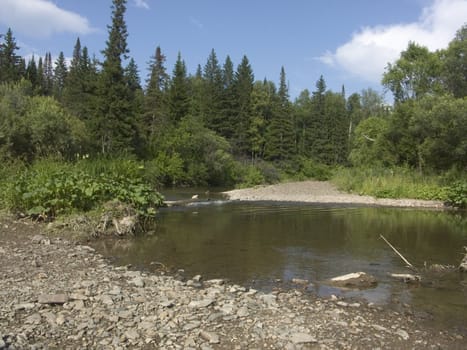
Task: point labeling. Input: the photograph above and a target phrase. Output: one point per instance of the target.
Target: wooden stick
(401, 256)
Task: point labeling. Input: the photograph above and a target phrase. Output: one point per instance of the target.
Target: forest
(74, 135)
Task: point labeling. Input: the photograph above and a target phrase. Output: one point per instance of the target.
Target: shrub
(51, 188)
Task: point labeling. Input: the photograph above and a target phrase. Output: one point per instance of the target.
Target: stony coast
(60, 294)
(321, 192)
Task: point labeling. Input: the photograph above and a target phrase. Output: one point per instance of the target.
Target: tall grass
(392, 183)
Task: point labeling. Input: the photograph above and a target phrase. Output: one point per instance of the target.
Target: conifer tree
(212, 93)
(48, 74)
(227, 100)
(60, 75)
(31, 72)
(318, 128)
(178, 94)
(155, 102)
(9, 60)
(280, 140)
(240, 121)
(115, 120)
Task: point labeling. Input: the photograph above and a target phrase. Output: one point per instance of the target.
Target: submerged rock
(357, 280)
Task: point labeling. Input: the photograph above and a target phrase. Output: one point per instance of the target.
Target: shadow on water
(256, 244)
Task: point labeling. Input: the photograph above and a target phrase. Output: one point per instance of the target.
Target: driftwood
(400, 255)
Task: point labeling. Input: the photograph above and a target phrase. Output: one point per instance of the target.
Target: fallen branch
(401, 256)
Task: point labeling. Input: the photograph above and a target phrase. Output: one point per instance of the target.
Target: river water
(266, 245)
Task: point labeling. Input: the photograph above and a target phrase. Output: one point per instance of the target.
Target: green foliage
(389, 183)
(310, 169)
(456, 194)
(33, 127)
(52, 188)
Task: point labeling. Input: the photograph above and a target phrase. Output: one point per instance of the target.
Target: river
(265, 245)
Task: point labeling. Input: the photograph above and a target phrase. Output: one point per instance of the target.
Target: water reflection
(257, 243)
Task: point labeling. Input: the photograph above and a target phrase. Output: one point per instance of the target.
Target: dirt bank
(61, 295)
(320, 192)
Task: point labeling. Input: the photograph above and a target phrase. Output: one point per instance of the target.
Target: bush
(50, 188)
(456, 194)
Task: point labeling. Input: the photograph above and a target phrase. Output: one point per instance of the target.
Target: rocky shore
(320, 192)
(57, 294)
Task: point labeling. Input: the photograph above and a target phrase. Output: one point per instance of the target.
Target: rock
(52, 299)
(38, 239)
(25, 306)
(138, 282)
(300, 281)
(268, 299)
(406, 277)
(197, 278)
(116, 290)
(358, 280)
(198, 304)
(216, 281)
(403, 334)
(131, 334)
(463, 264)
(211, 337)
(192, 325)
(302, 338)
(243, 312)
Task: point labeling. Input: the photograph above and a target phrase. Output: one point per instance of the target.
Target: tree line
(197, 128)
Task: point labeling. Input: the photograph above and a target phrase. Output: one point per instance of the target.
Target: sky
(348, 42)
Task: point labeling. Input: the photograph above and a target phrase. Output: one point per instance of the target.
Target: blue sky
(348, 42)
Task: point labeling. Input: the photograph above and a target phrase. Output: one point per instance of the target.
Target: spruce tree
(227, 101)
(240, 120)
(178, 94)
(280, 140)
(114, 127)
(212, 93)
(48, 74)
(155, 101)
(31, 73)
(9, 60)
(318, 138)
(60, 75)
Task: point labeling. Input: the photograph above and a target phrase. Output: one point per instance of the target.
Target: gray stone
(138, 282)
(357, 280)
(192, 325)
(243, 312)
(211, 337)
(25, 306)
(52, 298)
(403, 334)
(198, 304)
(131, 334)
(302, 338)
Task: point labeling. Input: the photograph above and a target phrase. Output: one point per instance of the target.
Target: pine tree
(155, 102)
(280, 140)
(31, 72)
(178, 94)
(240, 122)
(115, 125)
(318, 138)
(60, 76)
(227, 101)
(48, 74)
(9, 60)
(40, 77)
(212, 93)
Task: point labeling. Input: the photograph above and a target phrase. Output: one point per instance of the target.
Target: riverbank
(57, 294)
(321, 192)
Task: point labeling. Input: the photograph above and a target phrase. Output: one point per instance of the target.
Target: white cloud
(41, 18)
(369, 51)
(141, 4)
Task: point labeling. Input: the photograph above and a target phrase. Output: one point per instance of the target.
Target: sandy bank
(321, 192)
